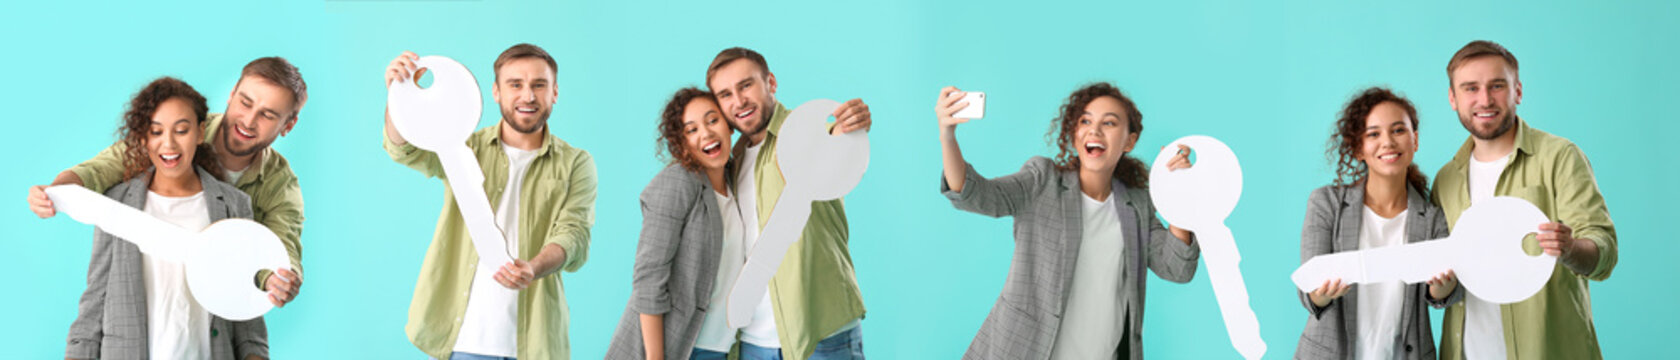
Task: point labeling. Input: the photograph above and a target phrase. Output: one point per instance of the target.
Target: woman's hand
(1181, 160)
(950, 102)
(1442, 285)
(1331, 290)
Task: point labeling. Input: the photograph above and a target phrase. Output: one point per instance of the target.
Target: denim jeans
(703, 354)
(472, 356)
(847, 345)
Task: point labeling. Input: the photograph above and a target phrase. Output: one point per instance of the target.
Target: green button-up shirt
(556, 206)
(276, 199)
(1554, 175)
(815, 291)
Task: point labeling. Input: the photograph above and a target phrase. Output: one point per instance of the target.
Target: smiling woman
(137, 304)
(145, 133)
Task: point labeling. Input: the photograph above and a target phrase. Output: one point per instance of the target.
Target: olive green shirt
(556, 206)
(814, 292)
(276, 199)
(1554, 175)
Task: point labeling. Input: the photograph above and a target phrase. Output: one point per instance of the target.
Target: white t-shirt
(762, 330)
(715, 333)
(233, 176)
(1379, 303)
(1484, 328)
(488, 328)
(1092, 323)
(177, 327)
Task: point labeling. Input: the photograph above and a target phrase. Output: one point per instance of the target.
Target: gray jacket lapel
(1068, 255)
(1347, 239)
(1132, 249)
(214, 197)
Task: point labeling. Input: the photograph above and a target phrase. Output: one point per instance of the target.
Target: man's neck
(519, 140)
(1495, 148)
(758, 138)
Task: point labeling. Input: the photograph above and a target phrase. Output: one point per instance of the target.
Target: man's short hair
(277, 70)
(523, 51)
(1480, 48)
(730, 55)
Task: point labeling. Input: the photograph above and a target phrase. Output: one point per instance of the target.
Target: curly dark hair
(137, 122)
(1130, 171)
(670, 142)
(1348, 137)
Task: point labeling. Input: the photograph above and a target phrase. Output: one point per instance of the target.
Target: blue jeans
(846, 345)
(472, 356)
(703, 354)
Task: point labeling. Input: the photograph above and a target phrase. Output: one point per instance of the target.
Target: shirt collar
(550, 143)
(1524, 143)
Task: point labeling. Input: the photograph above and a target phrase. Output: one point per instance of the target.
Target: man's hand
(1579, 255)
(283, 286)
(400, 67)
(516, 275)
(851, 116)
(42, 205)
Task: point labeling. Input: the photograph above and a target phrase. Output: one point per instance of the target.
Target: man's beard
(764, 113)
(227, 142)
(1508, 121)
(535, 126)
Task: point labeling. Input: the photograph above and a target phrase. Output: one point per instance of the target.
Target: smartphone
(976, 106)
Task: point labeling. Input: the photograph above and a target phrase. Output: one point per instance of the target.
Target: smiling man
(1506, 157)
(263, 106)
(813, 309)
(543, 193)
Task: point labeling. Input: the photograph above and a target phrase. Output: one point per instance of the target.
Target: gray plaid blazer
(676, 263)
(111, 320)
(1044, 202)
(1334, 215)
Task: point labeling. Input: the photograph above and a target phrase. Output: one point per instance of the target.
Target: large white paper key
(1199, 199)
(221, 261)
(1485, 249)
(815, 166)
(440, 118)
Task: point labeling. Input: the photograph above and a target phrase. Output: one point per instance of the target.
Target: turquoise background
(1267, 79)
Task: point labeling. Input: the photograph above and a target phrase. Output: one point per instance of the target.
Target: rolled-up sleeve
(1581, 207)
(576, 215)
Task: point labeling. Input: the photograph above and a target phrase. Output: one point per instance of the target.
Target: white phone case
(976, 106)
